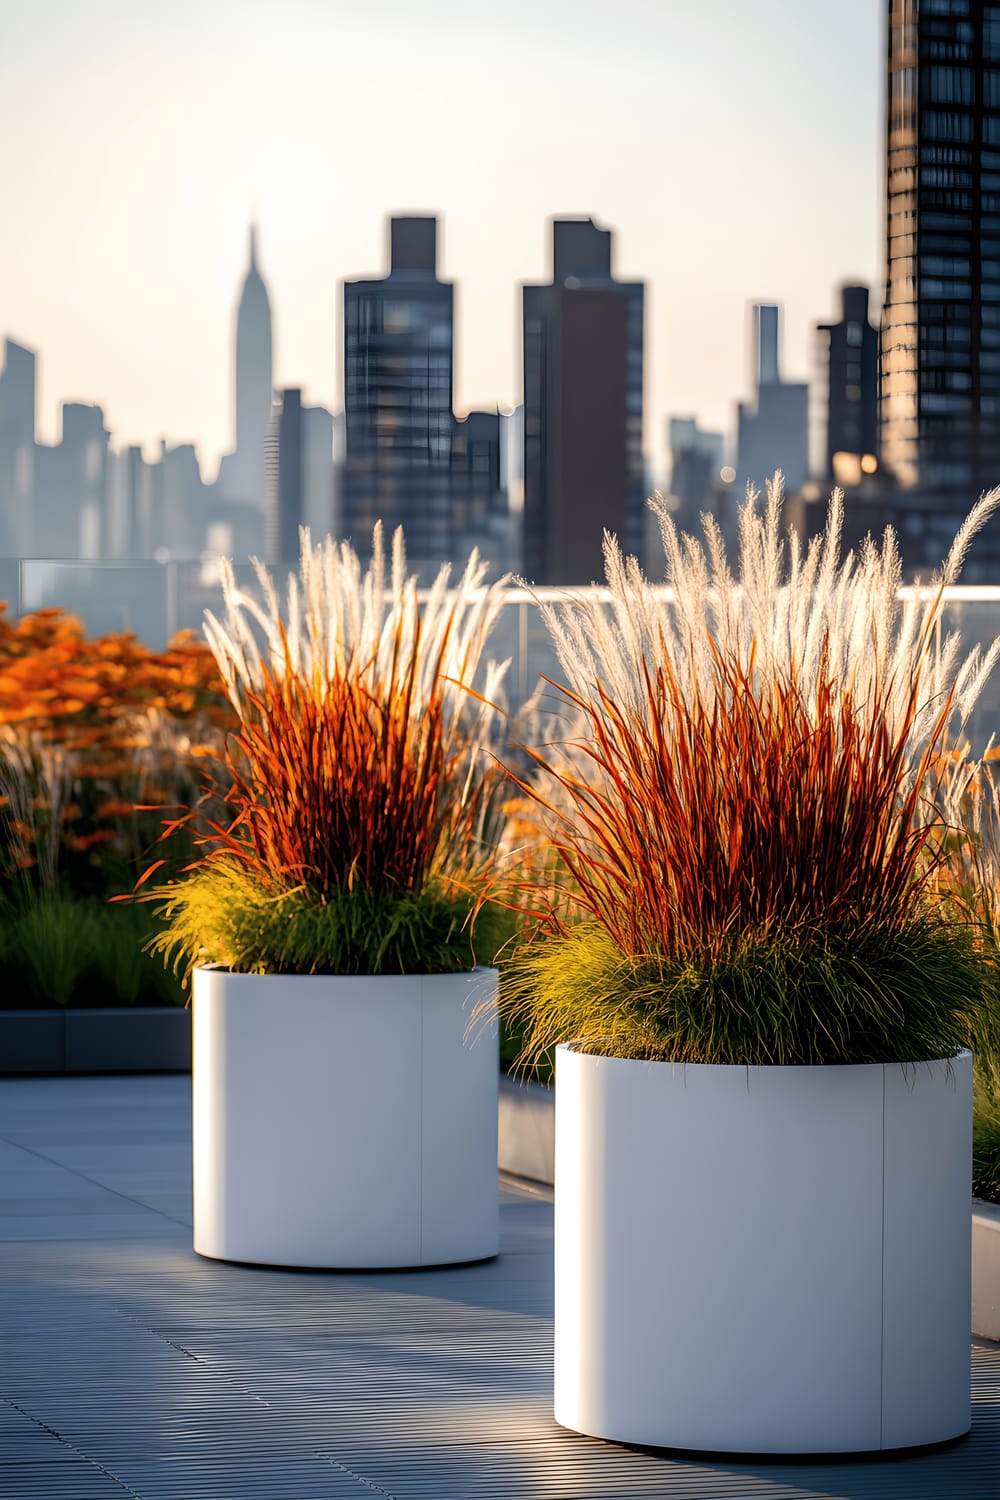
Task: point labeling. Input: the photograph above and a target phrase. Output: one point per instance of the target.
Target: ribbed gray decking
(130, 1367)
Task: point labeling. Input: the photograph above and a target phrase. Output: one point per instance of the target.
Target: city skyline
(737, 159)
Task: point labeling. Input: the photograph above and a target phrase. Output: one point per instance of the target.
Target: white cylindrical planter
(344, 1121)
(764, 1259)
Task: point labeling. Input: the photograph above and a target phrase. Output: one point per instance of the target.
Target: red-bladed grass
(705, 818)
(361, 805)
(749, 848)
(361, 790)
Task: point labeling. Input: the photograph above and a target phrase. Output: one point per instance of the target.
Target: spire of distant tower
(244, 468)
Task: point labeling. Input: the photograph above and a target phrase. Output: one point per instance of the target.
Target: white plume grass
(793, 615)
(341, 622)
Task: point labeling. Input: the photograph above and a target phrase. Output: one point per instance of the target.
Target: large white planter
(343, 1121)
(762, 1260)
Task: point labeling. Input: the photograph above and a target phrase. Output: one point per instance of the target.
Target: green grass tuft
(48, 945)
(59, 949)
(220, 915)
(790, 997)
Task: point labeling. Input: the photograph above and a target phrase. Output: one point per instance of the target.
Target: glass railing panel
(975, 614)
(155, 600)
(104, 596)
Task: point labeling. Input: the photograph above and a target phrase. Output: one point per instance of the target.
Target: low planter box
(344, 1121)
(119, 1039)
(777, 1209)
(526, 1145)
(986, 1270)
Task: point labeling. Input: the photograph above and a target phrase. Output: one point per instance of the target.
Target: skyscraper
(695, 466)
(583, 370)
(298, 475)
(845, 392)
(940, 371)
(319, 491)
(480, 505)
(773, 426)
(17, 448)
(283, 491)
(71, 486)
(241, 476)
(398, 373)
(130, 505)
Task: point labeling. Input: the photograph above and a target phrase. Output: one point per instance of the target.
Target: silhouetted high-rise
(940, 358)
(283, 474)
(130, 521)
(583, 374)
(695, 467)
(71, 486)
(241, 476)
(17, 448)
(479, 496)
(845, 388)
(773, 426)
(398, 371)
(319, 479)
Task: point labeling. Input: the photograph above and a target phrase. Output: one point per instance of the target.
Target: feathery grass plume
(748, 816)
(360, 788)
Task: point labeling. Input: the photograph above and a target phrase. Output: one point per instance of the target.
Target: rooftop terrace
(132, 1367)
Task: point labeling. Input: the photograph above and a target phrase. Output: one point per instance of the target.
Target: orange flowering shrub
(96, 736)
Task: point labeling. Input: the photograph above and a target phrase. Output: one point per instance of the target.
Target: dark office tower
(583, 464)
(773, 426)
(398, 340)
(940, 374)
(17, 448)
(242, 474)
(480, 507)
(284, 494)
(845, 392)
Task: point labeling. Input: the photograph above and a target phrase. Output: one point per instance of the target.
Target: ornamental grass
(970, 879)
(97, 736)
(360, 797)
(747, 811)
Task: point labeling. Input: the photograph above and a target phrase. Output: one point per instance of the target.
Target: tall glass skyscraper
(408, 461)
(940, 358)
(398, 373)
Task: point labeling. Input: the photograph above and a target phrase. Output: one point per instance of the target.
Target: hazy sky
(735, 148)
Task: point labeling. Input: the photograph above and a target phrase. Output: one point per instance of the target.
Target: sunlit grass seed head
(747, 810)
